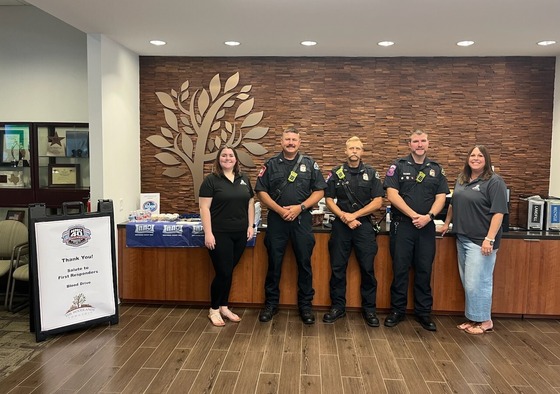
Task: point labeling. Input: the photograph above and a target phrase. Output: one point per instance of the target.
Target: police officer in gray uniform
(358, 193)
(416, 187)
(289, 184)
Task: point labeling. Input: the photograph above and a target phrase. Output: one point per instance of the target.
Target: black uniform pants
(300, 233)
(365, 247)
(416, 248)
(225, 256)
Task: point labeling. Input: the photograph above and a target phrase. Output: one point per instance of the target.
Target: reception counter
(526, 276)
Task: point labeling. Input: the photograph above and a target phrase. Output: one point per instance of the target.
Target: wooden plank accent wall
(503, 102)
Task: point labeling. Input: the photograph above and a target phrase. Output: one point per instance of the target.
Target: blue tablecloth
(167, 235)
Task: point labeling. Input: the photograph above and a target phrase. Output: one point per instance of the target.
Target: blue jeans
(476, 271)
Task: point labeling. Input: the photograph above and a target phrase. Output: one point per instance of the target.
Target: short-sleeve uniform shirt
(418, 184)
(276, 171)
(363, 181)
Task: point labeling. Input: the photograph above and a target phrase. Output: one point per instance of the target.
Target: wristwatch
(490, 240)
(431, 215)
(303, 207)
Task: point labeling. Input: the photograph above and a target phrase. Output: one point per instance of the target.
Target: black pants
(416, 248)
(225, 256)
(300, 233)
(340, 246)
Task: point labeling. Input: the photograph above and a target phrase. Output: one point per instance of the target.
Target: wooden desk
(183, 276)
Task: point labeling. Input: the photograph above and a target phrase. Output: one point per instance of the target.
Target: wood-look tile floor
(159, 349)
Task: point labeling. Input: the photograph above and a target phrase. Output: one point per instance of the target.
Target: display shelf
(44, 163)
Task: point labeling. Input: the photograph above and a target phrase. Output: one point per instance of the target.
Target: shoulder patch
(391, 170)
(442, 171)
(329, 176)
(377, 175)
(316, 166)
(262, 171)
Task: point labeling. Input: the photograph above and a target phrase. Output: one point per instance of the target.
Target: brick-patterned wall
(503, 102)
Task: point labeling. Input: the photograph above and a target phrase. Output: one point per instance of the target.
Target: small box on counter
(532, 208)
(150, 202)
(553, 214)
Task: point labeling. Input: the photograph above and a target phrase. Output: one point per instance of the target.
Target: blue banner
(167, 235)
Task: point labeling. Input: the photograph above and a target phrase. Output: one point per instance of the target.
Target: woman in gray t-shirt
(477, 208)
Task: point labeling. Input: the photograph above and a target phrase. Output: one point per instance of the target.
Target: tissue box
(150, 202)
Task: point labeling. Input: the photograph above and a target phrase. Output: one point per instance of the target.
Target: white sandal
(216, 318)
(225, 312)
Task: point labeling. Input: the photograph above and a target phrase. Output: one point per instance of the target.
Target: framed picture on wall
(15, 214)
(64, 175)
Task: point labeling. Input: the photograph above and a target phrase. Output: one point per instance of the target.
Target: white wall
(114, 95)
(43, 68)
(52, 72)
(554, 188)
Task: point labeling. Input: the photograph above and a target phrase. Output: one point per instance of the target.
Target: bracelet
(489, 239)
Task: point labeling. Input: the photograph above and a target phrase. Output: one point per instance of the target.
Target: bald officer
(416, 187)
(358, 193)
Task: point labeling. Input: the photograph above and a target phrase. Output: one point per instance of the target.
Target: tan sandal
(477, 329)
(216, 318)
(465, 325)
(225, 312)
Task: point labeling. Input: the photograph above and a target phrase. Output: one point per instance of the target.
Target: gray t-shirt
(475, 203)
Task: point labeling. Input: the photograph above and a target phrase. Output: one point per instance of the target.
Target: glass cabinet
(63, 153)
(15, 169)
(44, 163)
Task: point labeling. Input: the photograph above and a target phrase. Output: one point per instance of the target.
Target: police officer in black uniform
(289, 184)
(416, 187)
(359, 193)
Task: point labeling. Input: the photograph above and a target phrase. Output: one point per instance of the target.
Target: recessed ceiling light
(308, 43)
(465, 43)
(546, 43)
(232, 43)
(157, 42)
(385, 43)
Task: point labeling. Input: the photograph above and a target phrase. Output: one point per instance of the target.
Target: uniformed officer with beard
(289, 184)
(358, 193)
(416, 187)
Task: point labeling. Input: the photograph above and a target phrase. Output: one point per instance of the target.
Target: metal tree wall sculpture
(200, 124)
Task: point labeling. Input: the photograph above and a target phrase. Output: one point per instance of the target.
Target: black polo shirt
(230, 201)
(418, 184)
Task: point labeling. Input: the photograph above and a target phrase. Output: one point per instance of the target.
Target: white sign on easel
(74, 271)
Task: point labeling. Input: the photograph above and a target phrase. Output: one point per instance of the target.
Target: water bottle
(388, 218)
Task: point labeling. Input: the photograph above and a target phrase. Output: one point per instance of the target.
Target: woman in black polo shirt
(227, 211)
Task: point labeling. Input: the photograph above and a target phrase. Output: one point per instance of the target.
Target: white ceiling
(341, 27)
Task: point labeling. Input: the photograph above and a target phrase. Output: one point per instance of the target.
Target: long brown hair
(487, 172)
(217, 168)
